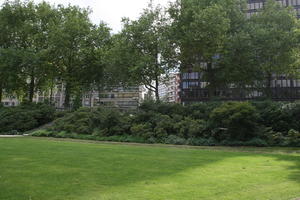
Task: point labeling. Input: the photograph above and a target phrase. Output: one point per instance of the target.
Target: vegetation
(208, 124)
(16, 120)
(50, 45)
(47, 169)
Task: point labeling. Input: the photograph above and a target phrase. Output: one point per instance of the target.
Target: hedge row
(231, 123)
(16, 120)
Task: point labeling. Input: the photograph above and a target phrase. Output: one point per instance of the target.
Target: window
(185, 75)
(194, 75)
(185, 85)
(193, 84)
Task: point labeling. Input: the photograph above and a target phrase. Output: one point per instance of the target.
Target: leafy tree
(10, 56)
(274, 33)
(201, 30)
(95, 58)
(151, 52)
(27, 38)
(68, 39)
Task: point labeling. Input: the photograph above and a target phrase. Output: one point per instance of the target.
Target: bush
(142, 130)
(201, 142)
(100, 122)
(25, 117)
(293, 138)
(256, 142)
(236, 119)
(274, 114)
(42, 133)
(232, 123)
(173, 139)
(189, 127)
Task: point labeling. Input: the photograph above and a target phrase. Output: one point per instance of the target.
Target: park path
(10, 136)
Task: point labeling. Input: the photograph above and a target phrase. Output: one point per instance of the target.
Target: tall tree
(274, 33)
(68, 39)
(28, 34)
(11, 55)
(95, 60)
(147, 40)
(201, 31)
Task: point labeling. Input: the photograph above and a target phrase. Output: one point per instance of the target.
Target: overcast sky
(109, 11)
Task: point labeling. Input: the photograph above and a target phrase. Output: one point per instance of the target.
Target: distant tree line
(42, 45)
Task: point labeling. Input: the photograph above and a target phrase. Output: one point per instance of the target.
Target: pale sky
(109, 11)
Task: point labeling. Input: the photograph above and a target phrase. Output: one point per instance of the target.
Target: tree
(26, 37)
(68, 39)
(201, 30)
(149, 46)
(10, 55)
(274, 33)
(95, 59)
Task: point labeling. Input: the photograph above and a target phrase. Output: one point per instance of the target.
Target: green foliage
(42, 133)
(208, 124)
(173, 139)
(25, 117)
(143, 130)
(189, 127)
(100, 122)
(293, 138)
(238, 120)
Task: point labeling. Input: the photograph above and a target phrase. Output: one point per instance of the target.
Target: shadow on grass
(56, 169)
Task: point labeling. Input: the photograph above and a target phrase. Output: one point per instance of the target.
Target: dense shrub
(207, 124)
(202, 142)
(189, 127)
(274, 114)
(173, 139)
(293, 138)
(143, 130)
(237, 119)
(99, 122)
(24, 117)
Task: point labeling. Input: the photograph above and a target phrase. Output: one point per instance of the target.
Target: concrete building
(169, 88)
(119, 97)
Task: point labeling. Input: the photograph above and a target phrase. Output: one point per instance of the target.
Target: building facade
(118, 97)
(254, 6)
(169, 89)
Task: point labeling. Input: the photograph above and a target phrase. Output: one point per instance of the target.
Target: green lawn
(41, 169)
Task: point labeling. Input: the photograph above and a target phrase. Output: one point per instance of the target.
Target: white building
(169, 88)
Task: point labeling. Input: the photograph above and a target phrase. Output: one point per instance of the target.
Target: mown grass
(41, 169)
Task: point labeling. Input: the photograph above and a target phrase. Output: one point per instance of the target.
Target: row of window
(119, 95)
(274, 83)
(198, 94)
(192, 75)
(260, 4)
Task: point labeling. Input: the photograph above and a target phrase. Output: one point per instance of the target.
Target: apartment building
(118, 97)
(254, 6)
(169, 88)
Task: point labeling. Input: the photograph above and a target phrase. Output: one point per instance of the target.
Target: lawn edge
(258, 150)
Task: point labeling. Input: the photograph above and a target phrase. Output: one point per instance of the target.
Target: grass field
(41, 169)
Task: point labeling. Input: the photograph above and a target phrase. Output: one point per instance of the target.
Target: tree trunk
(211, 80)
(268, 86)
(51, 92)
(156, 89)
(1, 93)
(67, 96)
(31, 88)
